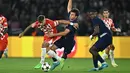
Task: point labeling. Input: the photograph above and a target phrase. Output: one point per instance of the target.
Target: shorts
(50, 40)
(103, 42)
(68, 45)
(3, 43)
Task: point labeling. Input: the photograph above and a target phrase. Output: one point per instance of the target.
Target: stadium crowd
(21, 13)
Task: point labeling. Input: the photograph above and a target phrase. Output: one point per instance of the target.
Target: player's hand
(76, 26)
(118, 30)
(21, 34)
(91, 37)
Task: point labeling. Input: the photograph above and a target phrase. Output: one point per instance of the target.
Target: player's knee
(107, 50)
(112, 47)
(53, 47)
(44, 45)
(92, 50)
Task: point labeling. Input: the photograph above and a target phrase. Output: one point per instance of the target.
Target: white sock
(104, 63)
(111, 53)
(104, 56)
(6, 50)
(43, 54)
(96, 68)
(53, 54)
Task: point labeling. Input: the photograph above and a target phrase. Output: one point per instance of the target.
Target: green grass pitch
(25, 65)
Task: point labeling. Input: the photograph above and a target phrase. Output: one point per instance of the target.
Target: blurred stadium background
(21, 13)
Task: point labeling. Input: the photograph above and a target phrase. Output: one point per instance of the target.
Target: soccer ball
(46, 67)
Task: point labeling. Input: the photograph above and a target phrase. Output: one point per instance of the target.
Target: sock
(1, 53)
(104, 56)
(111, 53)
(6, 50)
(65, 55)
(43, 54)
(54, 59)
(53, 54)
(95, 62)
(100, 59)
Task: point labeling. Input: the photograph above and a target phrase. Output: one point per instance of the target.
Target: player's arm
(115, 29)
(63, 22)
(75, 25)
(69, 7)
(96, 31)
(65, 32)
(22, 34)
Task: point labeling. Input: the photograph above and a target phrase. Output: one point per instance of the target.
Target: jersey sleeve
(52, 23)
(112, 24)
(96, 21)
(71, 28)
(35, 24)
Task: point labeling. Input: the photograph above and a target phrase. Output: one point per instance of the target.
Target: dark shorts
(67, 44)
(103, 42)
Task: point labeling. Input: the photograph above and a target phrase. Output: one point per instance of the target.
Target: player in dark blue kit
(67, 40)
(104, 40)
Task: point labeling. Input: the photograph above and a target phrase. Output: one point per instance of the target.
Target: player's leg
(6, 53)
(50, 52)
(1, 53)
(96, 57)
(100, 45)
(55, 61)
(106, 53)
(68, 45)
(43, 54)
(57, 44)
(3, 45)
(111, 53)
(104, 42)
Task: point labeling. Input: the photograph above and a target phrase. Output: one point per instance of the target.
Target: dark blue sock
(95, 62)
(65, 55)
(100, 59)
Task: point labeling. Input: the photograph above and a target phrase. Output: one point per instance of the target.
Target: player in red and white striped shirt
(3, 34)
(110, 25)
(47, 26)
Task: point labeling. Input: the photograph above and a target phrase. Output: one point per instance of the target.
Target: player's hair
(104, 9)
(40, 18)
(76, 11)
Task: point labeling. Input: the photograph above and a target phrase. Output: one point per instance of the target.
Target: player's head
(92, 13)
(74, 13)
(105, 13)
(41, 19)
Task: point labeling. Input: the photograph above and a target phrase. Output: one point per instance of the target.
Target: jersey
(102, 27)
(3, 39)
(104, 35)
(109, 23)
(71, 34)
(3, 24)
(67, 41)
(49, 27)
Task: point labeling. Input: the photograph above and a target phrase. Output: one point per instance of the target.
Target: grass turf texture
(26, 65)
